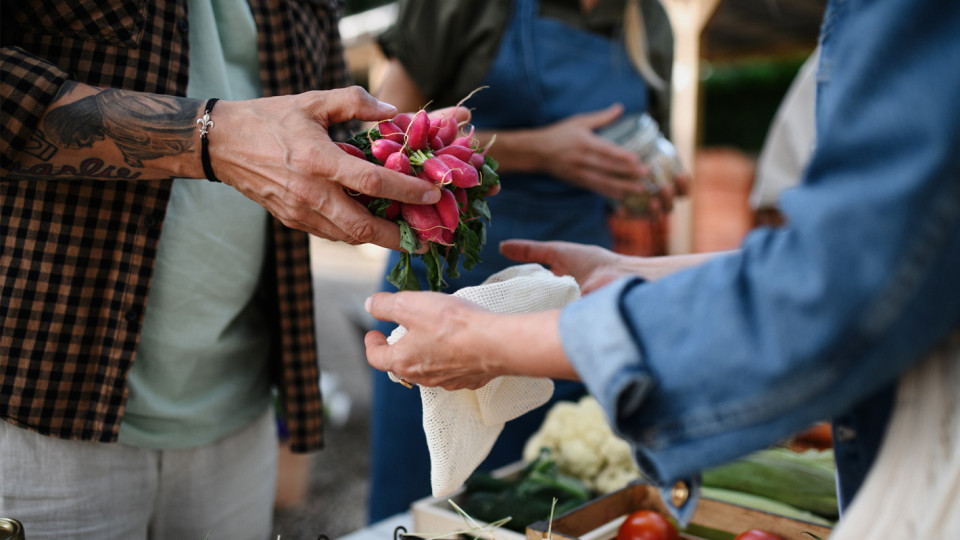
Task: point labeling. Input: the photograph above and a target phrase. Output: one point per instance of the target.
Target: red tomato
(756, 534)
(647, 525)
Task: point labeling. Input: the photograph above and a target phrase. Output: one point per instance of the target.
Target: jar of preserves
(640, 134)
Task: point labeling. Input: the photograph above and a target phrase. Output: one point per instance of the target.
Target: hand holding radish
(454, 344)
(276, 151)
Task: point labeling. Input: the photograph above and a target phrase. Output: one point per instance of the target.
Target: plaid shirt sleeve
(27, 86)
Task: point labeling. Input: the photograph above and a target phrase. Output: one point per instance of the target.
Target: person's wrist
(205, 125)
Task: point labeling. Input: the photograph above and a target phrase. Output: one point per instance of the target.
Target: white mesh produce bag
(461, 426)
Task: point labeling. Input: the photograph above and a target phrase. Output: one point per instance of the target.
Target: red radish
(435, 144)
(446, 128)
(398, 161)
(389, 130)
(424, 219)
(392, 211)
(461, 195)
(418, 131)
(448, 210)
(383, 148)
(466, 140)
(446, 237)
(402, 120)
(422, 174)
(477, 160)
(462, 174)
(437, 170)
(460, 152)
(352, 150)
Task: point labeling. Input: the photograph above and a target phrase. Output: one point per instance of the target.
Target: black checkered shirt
(77, 256)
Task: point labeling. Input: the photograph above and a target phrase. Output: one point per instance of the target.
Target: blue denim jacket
(817, 319)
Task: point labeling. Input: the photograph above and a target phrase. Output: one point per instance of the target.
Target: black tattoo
(143, 126)
(39, 147)
(88, 168)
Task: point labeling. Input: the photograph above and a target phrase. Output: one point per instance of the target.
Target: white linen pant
(76, 489)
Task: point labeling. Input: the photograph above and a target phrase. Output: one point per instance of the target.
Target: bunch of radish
(435, 151)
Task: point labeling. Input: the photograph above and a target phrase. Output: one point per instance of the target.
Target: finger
(380, 306)
(614, 187)
(600, 118)
(376, 181)
(527, 251)
(682, 181)
(337, 216)
(608, 157)
(350, 103)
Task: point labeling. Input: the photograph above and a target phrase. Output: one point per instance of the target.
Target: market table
(382, 530)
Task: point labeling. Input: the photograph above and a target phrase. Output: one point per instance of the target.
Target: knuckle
(369, 182)
(361, 232)
(357, 95)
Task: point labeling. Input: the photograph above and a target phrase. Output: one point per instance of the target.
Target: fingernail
(366, 304)
(386, 107)
(431, 197)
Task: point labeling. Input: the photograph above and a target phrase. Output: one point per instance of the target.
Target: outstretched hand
(592, 266)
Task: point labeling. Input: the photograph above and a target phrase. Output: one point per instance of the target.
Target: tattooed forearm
(142, 126)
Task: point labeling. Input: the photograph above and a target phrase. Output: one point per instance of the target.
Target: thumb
(597, 119)
(345, 104)
(377, 350)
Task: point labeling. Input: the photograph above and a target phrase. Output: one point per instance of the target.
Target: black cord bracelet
(205, 124)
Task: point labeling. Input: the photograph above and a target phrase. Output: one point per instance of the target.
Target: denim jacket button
(844, 433)
(679, 494)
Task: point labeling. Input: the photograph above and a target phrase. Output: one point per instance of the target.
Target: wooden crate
(600, 518)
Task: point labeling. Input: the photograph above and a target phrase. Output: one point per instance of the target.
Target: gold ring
(403, 382)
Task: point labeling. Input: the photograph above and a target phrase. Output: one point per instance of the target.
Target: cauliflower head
(584, 446)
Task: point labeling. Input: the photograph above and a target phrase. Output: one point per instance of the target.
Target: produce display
(584, 446)
(800, 485)
(756, 534)
(647, 525)
(454, 227)
(525, 498)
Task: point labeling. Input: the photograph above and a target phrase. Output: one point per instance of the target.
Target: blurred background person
(554, 73)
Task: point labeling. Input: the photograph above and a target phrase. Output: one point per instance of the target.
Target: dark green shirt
(447, 46)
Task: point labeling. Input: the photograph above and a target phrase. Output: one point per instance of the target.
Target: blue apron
(544, 72)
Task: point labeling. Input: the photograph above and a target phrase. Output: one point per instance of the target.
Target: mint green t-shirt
(201, 368)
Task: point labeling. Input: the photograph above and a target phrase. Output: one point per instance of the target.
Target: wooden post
(688, 18)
